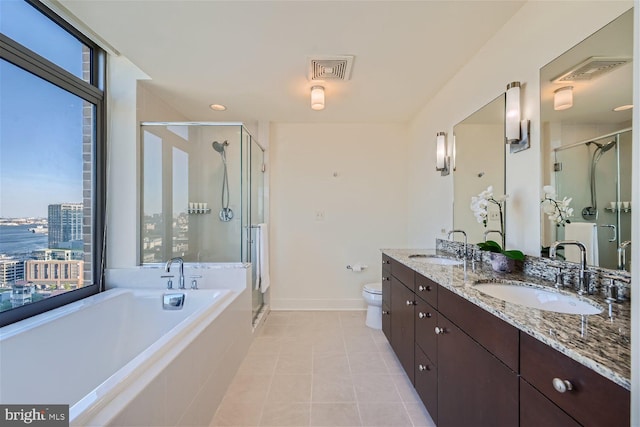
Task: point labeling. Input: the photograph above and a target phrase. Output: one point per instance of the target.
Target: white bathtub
(118, 358)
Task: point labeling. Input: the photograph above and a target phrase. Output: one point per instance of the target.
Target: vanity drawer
(426, 382)
(536, 410)
(402, 273)
(489, 331)
(426, 289)
(591, 393)
(426, 320)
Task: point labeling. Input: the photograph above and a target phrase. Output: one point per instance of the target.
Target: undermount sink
(435, 259)
(535, 296)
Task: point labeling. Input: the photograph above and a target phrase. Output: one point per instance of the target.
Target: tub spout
(168, 268)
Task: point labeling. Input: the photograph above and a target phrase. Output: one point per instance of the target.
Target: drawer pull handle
(423, 368)
(384, 279)
(423, 315)
(385, 262)
(422, 288)
(562, 386)
(409, 302)
(439, 330)
(385, 312)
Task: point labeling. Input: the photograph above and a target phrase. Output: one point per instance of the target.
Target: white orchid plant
(480, 208)
(558, 211)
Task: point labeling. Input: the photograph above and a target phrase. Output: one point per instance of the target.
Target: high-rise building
(11, 270)
(65, 226)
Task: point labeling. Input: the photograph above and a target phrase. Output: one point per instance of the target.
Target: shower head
(608, 146)
(603, 147)
(218, 146)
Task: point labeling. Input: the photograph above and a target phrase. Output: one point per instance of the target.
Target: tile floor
(320, 369)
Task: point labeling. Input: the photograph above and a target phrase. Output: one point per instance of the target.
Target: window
(51, 162)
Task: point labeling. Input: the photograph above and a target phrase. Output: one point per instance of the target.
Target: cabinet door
(402, 326)
(426, 382)
(540, 365)
(386, 304)
(474, 387)
(536, 410)
(426, 320)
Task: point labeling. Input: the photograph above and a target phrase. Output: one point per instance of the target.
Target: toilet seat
(373, 288)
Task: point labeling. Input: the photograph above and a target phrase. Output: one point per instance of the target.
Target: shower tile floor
(319, 368)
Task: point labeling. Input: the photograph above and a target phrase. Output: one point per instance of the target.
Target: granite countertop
(600, 342)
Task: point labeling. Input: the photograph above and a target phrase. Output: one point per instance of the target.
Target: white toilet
(372, 294)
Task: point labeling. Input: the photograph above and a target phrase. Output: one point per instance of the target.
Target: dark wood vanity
(471, 368)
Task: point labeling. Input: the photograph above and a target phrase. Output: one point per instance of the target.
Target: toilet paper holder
(356, 267)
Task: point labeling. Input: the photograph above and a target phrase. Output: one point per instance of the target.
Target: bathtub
(118, 358)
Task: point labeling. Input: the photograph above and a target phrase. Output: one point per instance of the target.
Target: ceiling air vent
(336, 67)
(590, 68)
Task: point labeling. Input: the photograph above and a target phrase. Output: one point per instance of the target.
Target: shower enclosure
(201, 193)
(597, 174)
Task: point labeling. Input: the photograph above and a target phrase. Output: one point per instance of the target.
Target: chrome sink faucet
(622, 255)
(168, 268)
(583, 277)
(465, 239)
(486, 233)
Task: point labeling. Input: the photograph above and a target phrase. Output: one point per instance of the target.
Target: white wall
(122, 171)
(534, 36)
(354, 175)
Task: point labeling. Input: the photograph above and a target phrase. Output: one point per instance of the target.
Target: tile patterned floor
(320, 369)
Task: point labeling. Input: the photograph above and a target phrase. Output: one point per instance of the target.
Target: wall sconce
(563, 98)
(442, 160)
(317, 98)
(516, 130)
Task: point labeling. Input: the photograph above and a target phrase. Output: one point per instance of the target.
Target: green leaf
(490, 246)
(514, 254)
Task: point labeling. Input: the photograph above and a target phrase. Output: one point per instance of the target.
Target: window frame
(93, 92)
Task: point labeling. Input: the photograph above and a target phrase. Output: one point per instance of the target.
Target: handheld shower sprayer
(226, 214)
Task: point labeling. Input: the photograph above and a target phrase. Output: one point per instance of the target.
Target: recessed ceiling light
(623, 107)
(217, 107)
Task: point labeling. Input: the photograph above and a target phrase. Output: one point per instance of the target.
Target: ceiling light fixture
(563, 98)
(516, 131)
(317, 98)
(623, 107)
(217, 107)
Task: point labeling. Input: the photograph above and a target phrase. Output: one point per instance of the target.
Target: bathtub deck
(320, 369)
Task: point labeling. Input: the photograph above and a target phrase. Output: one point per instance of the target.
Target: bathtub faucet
(168, 268)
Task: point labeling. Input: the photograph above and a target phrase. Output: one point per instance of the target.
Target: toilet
(372, 294)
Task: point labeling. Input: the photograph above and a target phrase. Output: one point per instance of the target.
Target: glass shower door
(596, 175)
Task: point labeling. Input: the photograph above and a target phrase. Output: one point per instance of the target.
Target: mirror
(479, 162)
(586, 143)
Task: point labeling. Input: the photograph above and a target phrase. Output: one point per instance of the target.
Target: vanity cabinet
(471, 368)
(585, 395)
(458, 378)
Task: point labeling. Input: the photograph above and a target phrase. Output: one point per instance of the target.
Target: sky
(40, 124)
